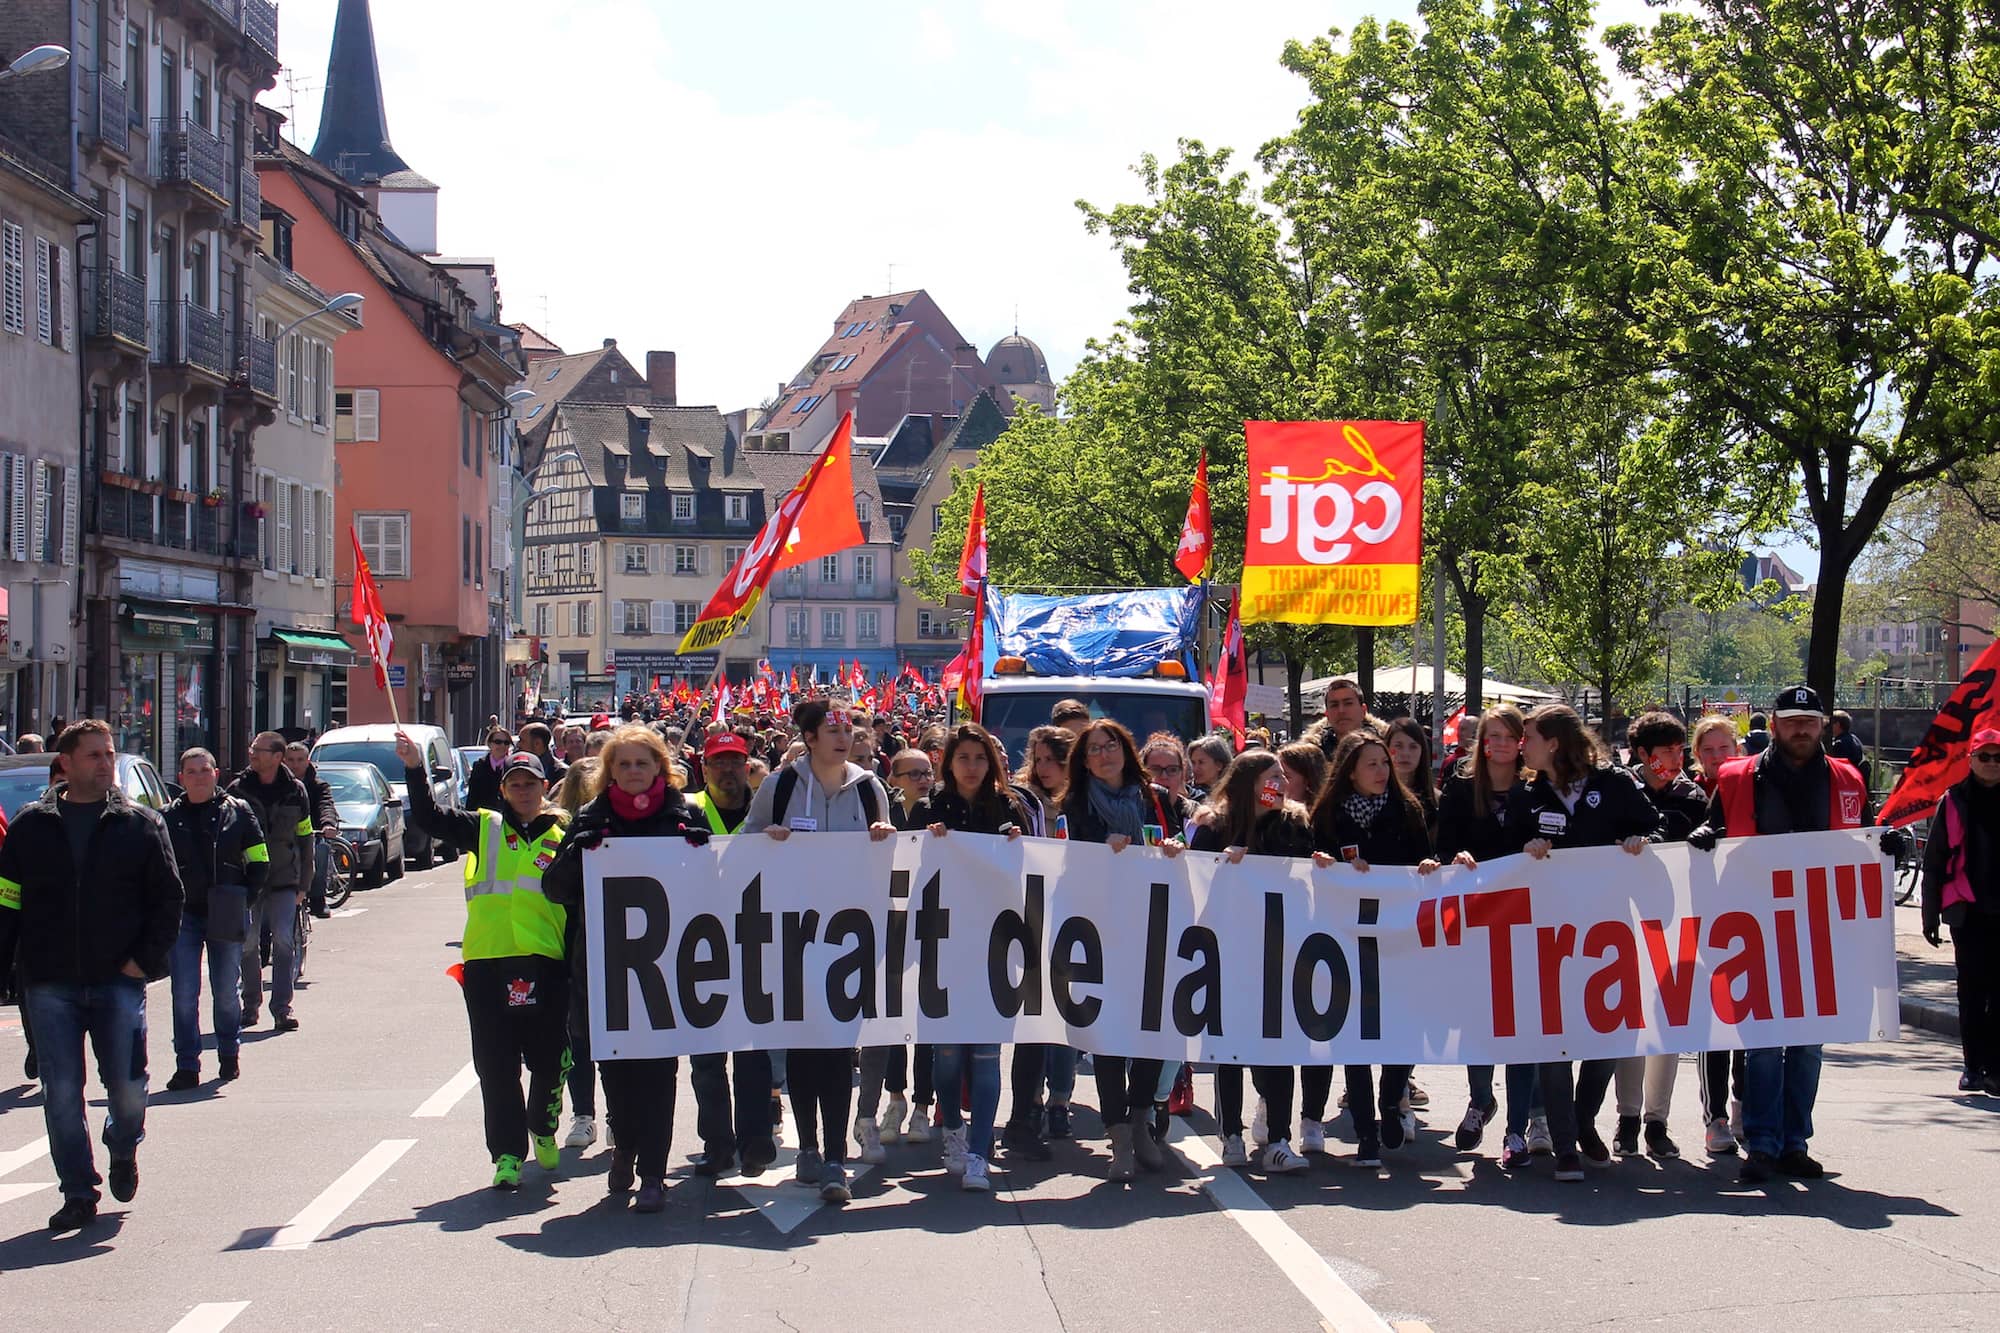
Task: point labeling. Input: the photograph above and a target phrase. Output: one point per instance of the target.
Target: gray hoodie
(839, 811)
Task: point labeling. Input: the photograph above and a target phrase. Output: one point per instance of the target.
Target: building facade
(841, 607)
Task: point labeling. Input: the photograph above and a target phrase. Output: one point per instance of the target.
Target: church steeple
(353, 125)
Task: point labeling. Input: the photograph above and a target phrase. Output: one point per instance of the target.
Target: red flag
(1943, 757)
(857, 679)
(972, 561)
(722, 702)
(971, 684)
(1452, 726)
(953, 674)
(889, 699)
(826, 522)
(1231, 687)
(367, 612)
(1197, 534)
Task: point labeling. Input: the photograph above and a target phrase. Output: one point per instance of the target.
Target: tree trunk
(1364, 663)
(1295, 679)
(1823, 648)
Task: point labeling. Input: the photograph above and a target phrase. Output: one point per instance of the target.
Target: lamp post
(333, 305)
(36, 60)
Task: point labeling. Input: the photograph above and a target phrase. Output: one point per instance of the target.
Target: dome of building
(1016, 360)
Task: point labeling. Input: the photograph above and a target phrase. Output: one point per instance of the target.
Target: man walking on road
(284, 811)
(326, 821)
(220, 850)
(90, 895)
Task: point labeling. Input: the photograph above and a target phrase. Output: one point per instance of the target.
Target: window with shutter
(684, 616)
(309, 535)
(15, 476)
(663, 617)
(702, 562)
(69, 517)
(42, 306)
(326, 534)
(65, 302)
(267, 524)
(39, 514)
(684, 559)
(586, 618)
(14, 261)
(286, 563)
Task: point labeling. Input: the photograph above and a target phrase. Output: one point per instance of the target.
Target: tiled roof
(867, 332)
(553, 379)
(657, 450)
(533, 340)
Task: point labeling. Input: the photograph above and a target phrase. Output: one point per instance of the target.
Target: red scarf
(633, 809)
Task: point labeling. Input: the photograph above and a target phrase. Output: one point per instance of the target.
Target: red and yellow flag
(826, 522)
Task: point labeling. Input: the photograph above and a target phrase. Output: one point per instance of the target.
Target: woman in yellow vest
(516, 983)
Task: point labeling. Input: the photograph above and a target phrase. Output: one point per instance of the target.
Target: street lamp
(36, 61)
(333, 306)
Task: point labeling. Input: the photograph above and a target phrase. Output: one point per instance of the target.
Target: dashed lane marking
(438, 1105)
(20, 1157)
(336, 1198)
(9, 1193)
(210, 1317)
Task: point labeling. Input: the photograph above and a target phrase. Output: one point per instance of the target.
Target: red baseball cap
(1984, 737)
(600, 721)
(725, 742)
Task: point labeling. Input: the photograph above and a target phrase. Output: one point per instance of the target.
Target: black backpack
(788, 781)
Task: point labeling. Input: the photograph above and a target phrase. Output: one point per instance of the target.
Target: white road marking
(346, 912)
(1339, 1306)
(9, 1193)
(210, 1317)
(20, 1157)
(778, 1200)
(438, 1105)
(336, 1198)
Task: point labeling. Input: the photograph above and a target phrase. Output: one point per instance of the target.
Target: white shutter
(286, 565)
(38, 535)
(701, 559)
(17, 506)
(367, 414)
(326, 534)
(42, 326)
(65, 318)
(14, 260)
(663, 617)
(309, 541)
(69, 517)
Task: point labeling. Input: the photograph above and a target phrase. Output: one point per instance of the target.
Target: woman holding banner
(974, 798)
(1366, 816)
(634, 796)
(1483, 814)
(1109, 800)
(1578, 799)
(1252, 817)
(1962, 890)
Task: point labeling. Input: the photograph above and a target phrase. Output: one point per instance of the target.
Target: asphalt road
(312, 1195)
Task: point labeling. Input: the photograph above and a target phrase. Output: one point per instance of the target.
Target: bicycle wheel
(301, 932)
(345, 870)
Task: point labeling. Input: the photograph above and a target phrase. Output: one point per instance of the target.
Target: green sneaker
(547, 1154)
(507, 1172)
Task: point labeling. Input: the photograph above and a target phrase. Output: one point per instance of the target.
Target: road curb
(1938, 1018)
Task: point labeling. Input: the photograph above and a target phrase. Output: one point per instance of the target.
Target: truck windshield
(1010, 717)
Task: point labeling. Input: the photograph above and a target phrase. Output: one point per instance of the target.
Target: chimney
(662, 375)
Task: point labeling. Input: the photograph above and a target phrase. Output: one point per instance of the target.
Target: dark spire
(353, 126)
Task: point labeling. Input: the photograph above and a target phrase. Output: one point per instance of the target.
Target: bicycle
(1910, 865)
(345, 871)
(302, 919)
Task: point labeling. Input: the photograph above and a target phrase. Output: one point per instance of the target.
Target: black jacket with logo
(1682, 804)
(212, 851)
(80, 925)
(286, 814)
(1612, 808)
(1463, 827)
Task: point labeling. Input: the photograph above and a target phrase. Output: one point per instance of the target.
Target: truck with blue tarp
(1130, 655)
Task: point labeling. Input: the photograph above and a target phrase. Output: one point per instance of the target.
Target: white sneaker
(870, 1139)
(890, 1126)
(1736, 1119)
(859, 1121)
(1409, 1128)
(582, 1131)
(1538, 1135)
(1721, 1143)
(1312, 1135)
(919, 1128)
(1280, 1160)
(974, 1175)
(1232, 1151)
(1260, 1125)
(956, 1154)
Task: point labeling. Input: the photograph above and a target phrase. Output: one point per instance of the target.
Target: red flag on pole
(367, 612)
(1197, 533)
(972, 561)
(971, 685)
(1944, 755)
(722, 702)
(1231, 687)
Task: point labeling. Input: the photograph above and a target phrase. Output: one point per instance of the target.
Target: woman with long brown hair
(1108, 799)
(1579, 799)
(1253, 817)
(1367, 817)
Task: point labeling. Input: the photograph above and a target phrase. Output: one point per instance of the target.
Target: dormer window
(683, 507)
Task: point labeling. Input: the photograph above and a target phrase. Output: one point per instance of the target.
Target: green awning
(304, 647)
(305, 638)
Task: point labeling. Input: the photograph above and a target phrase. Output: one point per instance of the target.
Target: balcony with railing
(256, 366)
(158, 520)
(249, 213)
(192, 157)
(185, 335)
(255, 19)
(115, 307)
(105, 123)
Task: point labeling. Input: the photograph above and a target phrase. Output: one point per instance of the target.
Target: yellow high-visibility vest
(506, 914)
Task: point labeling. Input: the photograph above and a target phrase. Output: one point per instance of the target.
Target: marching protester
(1644, 1084)
(536, 739)
(1304, 765)
(974, 798)
(1253, 817)
(90, 905)
(284, 812)
(634, 798)
(1483, 814)
(482, 785)
(1793, 786)
(1578, 799)
(1715, 744)
(1346, 711)
(219, 850)
(821, 792)
(1108, 800)
(1961, 889)
(742, 1123)
(1045, 768)
(325, 821)
(1208, 756)
(515, 982)
(1367, 817)
(1039, 783)
(1410, 753)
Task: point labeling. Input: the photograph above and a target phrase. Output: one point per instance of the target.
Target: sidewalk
(1925, 976)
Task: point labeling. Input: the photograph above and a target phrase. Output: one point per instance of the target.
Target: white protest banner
(830, 940)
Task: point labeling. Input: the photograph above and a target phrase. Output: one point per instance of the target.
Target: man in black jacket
(91, 898)
(219, 847)
(284, 811)
(326, 822)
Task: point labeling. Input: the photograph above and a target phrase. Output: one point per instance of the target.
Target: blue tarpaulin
(1102, 634)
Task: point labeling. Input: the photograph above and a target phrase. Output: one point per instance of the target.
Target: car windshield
(382, 754)
(1011, 716)
(20, 787)
(348, 785)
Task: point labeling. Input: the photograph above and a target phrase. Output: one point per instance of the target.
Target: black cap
(1798, 701)
(524, 762)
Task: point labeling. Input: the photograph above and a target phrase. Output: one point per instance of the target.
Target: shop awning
(304, 647)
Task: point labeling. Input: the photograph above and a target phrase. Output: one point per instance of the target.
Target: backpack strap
(871, 804)
(788, 781)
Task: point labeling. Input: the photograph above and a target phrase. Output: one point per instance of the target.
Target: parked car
(24, 777)
(371, 818)
(375, 743)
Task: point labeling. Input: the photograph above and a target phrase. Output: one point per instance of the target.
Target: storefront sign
(164, 626)
(461, 674)
(647, 665)
(399, 675)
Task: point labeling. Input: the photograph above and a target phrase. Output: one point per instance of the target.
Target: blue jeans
(951, 1069)
(1062, 1074)
(322, 873)
(278, 907)
(225, 970)
(1780, 1085)
(1524, 1097)
(112, 1014)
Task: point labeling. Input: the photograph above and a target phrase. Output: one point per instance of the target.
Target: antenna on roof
(295, 83)
(892, 277)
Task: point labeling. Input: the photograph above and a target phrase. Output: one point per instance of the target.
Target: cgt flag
(1229, 695)
(1335, 531)
(1942, 758)
(366, 611)
(1191, 558)
(972, 561)
(791, 528)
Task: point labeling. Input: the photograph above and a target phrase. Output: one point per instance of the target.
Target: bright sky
(721, 179)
